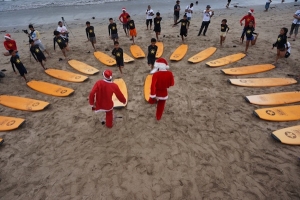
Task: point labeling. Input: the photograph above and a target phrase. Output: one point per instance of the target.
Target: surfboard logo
(290, 135)
(10, 123)
(77, 77)
(270, 112)
(35, 104)
(63, 91)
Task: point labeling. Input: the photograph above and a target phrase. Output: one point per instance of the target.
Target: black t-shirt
(249, 32)
(131, 24)
(118, 53)
(176, 7)
(112, 28)
(184, 24)
(152, 51)
(60, 41)
(281, 41)
(224, 27)
(90, 31)
(157, 22)
(37, 53)
(15, 61)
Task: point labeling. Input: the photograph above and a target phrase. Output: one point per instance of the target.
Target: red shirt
(124, 17)
(161, 81)
(10, 45)
(101, 95)
(248, 18)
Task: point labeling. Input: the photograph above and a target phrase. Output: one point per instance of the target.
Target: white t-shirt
(62, 30)
(36, 37)
(206, 16)
(297, 21)
(269, 1)
(148, 16)
(189, 14)
(288, 45)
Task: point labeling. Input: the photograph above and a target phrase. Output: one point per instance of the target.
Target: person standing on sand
(123, 19)
(9, 44)
(281, 44)
(35, 36)
(90, 34)
(188, 11)
(224, 31)
(162, 79)
(176, 11)
(207, 14)
(184, 27)
(268, 5)
(15, 61)
(63, 32)
(248, 18)
(61, 43)
(100, 97)
(249, 31)
(295, 25)
(112, 30)
(157, 28)
(149, 16)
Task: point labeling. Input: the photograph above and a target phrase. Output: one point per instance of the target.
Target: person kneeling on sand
(162, 79)
(100, 97)
(61, 43)
(15, 61)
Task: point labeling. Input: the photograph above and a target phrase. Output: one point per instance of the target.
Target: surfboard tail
(276, 138)
(255, 114)
(246, 99)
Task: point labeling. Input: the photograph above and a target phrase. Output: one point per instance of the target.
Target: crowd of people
(61, 38)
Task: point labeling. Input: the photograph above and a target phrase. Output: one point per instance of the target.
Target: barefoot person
(157, 27)
(176, 11)
(15, 61)
(247, 19)
(37, 53)
(123, 19)
(189, 11)
(100, 97)
(63, 32)
(118, 53)
(227, 5)
(152, 49)
(295, 25)
(207, 14)
(112, 30)
(184, 27)
(267, 6)
(249, 31)
(162, 79)
(224, 31)
(281, 44)
(149, 16)
(9, 44)
(132, 30)
(90, 34)
(61, 43)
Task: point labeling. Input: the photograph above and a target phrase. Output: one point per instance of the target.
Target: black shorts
(281, 48)
(62, 46)
(287, 54)
(157, 29)
(149, 21)
(151, 61)
(120, 63)
(22, 70)
(183, 33)
(41, 58)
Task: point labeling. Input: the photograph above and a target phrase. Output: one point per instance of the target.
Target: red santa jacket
(10, 45)
(161, 81)
(101, 95)
(248, 19)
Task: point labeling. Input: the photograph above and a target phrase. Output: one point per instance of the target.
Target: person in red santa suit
(100, 97)
(9, 44)
(162, 79)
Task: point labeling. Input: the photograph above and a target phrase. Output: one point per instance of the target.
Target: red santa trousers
(109, 119)
(160, 107)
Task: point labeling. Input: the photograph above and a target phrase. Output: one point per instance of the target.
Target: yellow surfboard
(160, 49)
(179, 53)
(65, 75)
(82, 67)
(262, 82)
(10, 123)
(49, 88)
(280, 114)
(147, 87)
(127, 58)
(136, 51)
(202, 55)
(104, 58)
(274, 98)
(248, 69)
(290, 135)
(122, 85)
(21, 103)
(226, 60)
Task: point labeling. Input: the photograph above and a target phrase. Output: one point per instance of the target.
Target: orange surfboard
(280, 114)
(83, 67)
(290, 135)
(10, 123)
(122, 85)
(65, 75)
(274, 98)
(226, 60)
(21, 103)
(104, 58)
(147, 87)
(202, 55)
(262, 82)
(248, 69)
(49, 88)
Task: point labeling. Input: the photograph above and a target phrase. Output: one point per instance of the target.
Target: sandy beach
(208, 144)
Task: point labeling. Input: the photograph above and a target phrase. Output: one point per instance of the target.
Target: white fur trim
(161, 66)
(152, 96)
(162, 98)
(101, 110)
(108, 81)
(7, 37)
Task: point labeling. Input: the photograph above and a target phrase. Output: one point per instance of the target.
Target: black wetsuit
(90, 32)
(184, 25)
(281, 42)
(15, 61)
(37, 53)
(112, 29)
(157, 27)
(151, 54)
(60, 41)
(118, 53)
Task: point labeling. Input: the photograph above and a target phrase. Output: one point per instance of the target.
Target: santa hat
(123, 9)
(160, 64)
(7, 36)
(251, 11)
(107, 74)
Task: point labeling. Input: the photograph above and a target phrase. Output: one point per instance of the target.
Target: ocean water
(8, 5)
